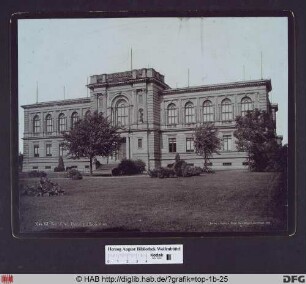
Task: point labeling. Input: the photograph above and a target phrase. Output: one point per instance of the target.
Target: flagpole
(36, 91)
(131, 59)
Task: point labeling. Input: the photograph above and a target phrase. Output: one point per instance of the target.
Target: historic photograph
(153, 124)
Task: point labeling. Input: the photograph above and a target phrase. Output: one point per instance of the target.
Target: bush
(161, 173)
(97, 164)
(74, 174)
(116, 172)
(177, 157)
(179, 167)
(129, 167)
(45, 188)
(141, 165)
(60, 167)
(165, 172)
(208, 171)
(190, 171)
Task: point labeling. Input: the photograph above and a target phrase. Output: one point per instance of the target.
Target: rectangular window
(227, 164)
(189, 145)
(227, 142)
(36, 150)
(189, 113)
(245, 163)
(49, 125)
(36, 125)
(208, 111)
(172, 145)
(227, 110)
(139, 143)
(48, 167)
(35, 168)
(48, 150)
(172, 114)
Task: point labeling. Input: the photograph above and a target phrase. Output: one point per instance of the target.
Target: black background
(201, 255)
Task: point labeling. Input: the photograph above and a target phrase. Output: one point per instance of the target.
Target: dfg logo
(293, 279)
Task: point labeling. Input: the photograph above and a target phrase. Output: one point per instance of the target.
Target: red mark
(7, 279)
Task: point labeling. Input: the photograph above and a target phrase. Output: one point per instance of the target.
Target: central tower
(131, 100)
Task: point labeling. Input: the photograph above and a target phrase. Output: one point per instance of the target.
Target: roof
(57, 103)
(223, 86)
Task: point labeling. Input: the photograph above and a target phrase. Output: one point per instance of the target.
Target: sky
(54, 54)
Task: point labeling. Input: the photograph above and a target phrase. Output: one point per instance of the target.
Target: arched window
(36, 124)
(61, 122)
(49, 124)
(122, 113)
(140, 115)
(226, 110)
(74, 119)
(208, 111)
(189, 113)
(246, 105)
(171, 114)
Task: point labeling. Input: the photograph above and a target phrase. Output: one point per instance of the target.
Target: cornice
(127, 82)
(57, 103)
(223, 86)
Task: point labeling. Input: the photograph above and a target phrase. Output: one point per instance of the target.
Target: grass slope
(220, 202)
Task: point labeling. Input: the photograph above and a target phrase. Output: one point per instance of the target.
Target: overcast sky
(64, 52)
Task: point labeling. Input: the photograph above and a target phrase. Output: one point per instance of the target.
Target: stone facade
(156, 121)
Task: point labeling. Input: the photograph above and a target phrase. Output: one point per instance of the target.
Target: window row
(208, 111)
(48, 150)
(172, 142)
(49, 124)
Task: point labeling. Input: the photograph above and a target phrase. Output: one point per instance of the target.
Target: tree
(206, 141)
(256, 136)
(92, 136)
(60, 166)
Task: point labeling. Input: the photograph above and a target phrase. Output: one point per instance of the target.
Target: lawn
(220, 202)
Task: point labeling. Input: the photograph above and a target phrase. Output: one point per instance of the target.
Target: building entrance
(122, 150)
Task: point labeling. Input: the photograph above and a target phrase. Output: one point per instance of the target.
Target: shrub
(45, 188)
(74, 174)
(165, 172)
(177, 157)
(60, 167)
(208, 171)
(97, 164)
(170, 165)
(141, 165)
(130, 167)
(179, 167)
(161, 173)
(116, 172)
(190, 171)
